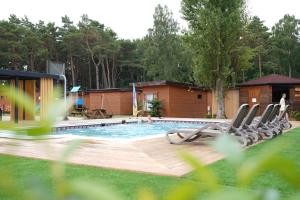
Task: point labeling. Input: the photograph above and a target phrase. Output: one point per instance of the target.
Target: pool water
(129, 131)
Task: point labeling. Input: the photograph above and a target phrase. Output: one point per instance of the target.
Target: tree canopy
(221, 47)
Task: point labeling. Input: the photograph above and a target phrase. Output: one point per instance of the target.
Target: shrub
(295, 115)
(210, 116)
(155, 108)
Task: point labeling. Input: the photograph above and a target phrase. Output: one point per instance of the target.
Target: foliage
(209, 116)
(155, 108)
(295, 115)
(285, 38)
(215, 29)
(96, 58)
(258, 39)
(166, 57)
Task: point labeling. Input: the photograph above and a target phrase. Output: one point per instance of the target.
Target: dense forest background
(96, 58)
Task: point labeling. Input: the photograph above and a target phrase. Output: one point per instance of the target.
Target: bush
(295, 115)
(208, 116)
(155, 108)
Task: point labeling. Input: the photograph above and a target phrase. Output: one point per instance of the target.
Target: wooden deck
(155, 155)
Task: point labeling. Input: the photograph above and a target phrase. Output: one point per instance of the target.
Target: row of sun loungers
(245, 126)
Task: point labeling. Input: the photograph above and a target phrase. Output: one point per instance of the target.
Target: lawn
(27, 171)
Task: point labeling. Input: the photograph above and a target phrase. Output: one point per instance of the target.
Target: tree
(33, 44)
(164, 57)
(100, 43)
(71, 46)
(130, 62)
(285, 37)
(12, 49)
(215, 29)
(258, 40)
(49, 35)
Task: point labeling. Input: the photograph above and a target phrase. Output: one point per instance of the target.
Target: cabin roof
(273, 79)
(24, 75)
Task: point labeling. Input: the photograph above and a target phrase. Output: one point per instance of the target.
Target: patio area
(153, 155)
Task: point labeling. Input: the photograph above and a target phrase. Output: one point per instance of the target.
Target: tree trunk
(31, 62)
(220, 89)
(72, 71)
(90, 74)
(259, 65)
(97, 77)
(108, 73)
(290, 70)
(114, 77)
(104, 75)
(220, 98)
(289, 61)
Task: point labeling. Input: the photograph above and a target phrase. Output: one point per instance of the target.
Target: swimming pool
(129, 130)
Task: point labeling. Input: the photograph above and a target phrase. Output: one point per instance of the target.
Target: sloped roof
(166, 82)
(75, 89)
(273, 79)
(26, 75)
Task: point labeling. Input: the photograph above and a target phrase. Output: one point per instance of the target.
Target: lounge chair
(272, 119)
(260, 126)
(245, 127)
(212, 130)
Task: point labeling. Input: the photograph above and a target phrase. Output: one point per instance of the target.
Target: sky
(130, 19)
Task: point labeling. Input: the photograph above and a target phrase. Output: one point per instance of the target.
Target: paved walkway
(155, 155)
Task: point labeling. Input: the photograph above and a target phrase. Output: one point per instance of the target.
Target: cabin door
(253, 96)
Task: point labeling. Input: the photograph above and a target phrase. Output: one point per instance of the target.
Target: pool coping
(105, 122)
(62, 128)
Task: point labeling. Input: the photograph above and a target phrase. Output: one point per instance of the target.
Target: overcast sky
(129, 18)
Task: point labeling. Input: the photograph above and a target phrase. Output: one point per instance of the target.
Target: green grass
(127, 184)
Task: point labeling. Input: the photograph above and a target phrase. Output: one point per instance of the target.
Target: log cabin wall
(184, 102)
(162, 93)
(295, 98)
(30, 90)
(46, 94)
(114, 102)
(5, 104)
(179, 101)
(126, 103)
(25, 87)
(261, 95)
(231, 102)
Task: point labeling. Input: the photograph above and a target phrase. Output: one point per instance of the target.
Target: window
(148, 98)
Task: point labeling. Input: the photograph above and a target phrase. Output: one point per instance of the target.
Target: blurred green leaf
(234, 194)
(295, 196)
(71, 147)
(187, 190)
(270, 194)
(13, 95)
(270, 160)
(202, 172)
(89, 191)
(231, 149)
(145, 194)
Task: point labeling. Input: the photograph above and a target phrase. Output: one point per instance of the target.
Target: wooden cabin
(269, 89)
(26, 83)
(178, 99)
(115, 101)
